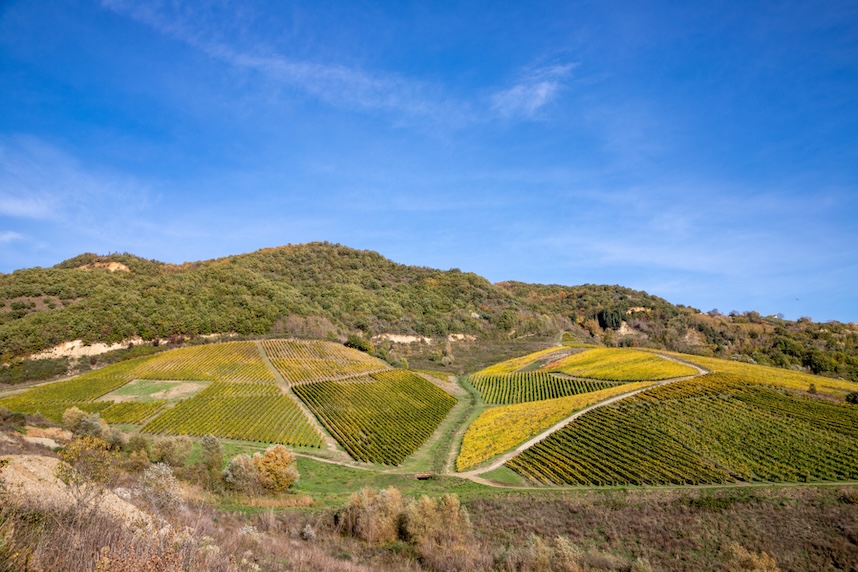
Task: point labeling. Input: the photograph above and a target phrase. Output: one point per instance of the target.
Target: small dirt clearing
(155, 390)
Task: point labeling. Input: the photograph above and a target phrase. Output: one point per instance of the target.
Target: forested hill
(319, 289)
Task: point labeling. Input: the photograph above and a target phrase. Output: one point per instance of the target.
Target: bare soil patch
(150, 390)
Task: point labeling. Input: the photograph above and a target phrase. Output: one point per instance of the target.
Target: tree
(609, 318)
(277, 468)
(241, 474)
(212, 458)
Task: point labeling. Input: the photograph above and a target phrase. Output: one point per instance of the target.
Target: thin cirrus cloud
(10, 236)
(349, 87)
(536, 89)
(39, 181)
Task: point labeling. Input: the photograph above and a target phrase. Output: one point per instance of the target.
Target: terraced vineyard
(499, 429)
(247, 411)
(380, 418)
(619, 365)
(309, 361)
(714, 428)
(531, 386)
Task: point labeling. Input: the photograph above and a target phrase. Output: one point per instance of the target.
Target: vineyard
(531, 386)
(310, 361)
(54, 411)
(227, 412)
(87, 387)
(619, 365)
(714, 428)
(382, 417)
(230, 361)
(772, 376)
(515, 364)
(499, 429)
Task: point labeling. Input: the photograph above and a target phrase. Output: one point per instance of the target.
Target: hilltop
(323, 290)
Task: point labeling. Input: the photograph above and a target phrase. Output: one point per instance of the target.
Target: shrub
(852, 397)
(159, 488)
(736, 558)
(115, 439)
(171, 450)
(372, 516)
(241, 475)
(87, 468)
(359, 343)
(93, 425)
(71, 417)
(137, 461)
(276, 468)
(138, 442)
(428, 521)
(212, 455)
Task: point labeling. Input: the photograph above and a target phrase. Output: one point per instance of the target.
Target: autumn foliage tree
(276, 468)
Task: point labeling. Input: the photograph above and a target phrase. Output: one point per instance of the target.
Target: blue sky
(704, 152)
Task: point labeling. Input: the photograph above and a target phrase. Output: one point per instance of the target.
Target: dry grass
(802, 529)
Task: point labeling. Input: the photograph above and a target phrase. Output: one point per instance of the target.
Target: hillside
(321, 290)
(555, 426)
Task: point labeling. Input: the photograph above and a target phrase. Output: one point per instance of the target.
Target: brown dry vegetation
(804, 529)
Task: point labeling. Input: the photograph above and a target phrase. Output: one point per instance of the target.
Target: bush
(71, 418)
(736, 558)
(159, 488)
(93, 425)
(241, 475)
(359, 343)
(33, 370)
(852, 398)
(428, 521)
(171, 450)
(372, 516)
(138, 442)
(87, 468)
(212, 455)
(137, 461)
(276, 468)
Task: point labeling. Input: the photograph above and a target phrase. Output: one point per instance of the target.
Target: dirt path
(500, 461)
(287, 390)
(453, 452)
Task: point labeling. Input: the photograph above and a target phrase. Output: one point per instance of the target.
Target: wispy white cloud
(39, 181)
(532, 92)
(10, 236)
(335, 84)
(348, 86)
